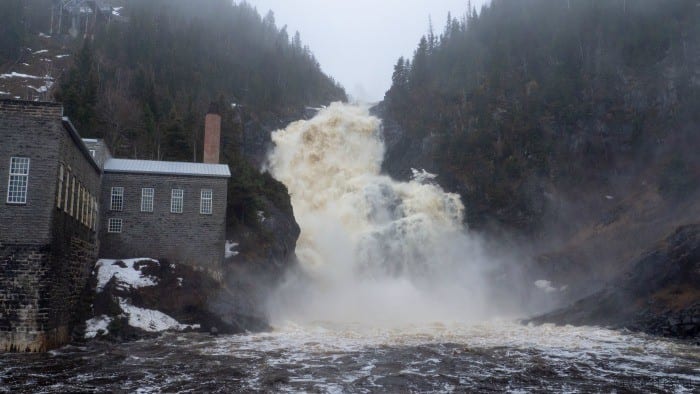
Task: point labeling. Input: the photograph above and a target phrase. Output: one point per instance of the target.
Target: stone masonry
(188, 237)
(47, 250)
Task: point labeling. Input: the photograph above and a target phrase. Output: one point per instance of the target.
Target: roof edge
(68, 125)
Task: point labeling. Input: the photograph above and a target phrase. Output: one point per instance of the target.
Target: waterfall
(372, 249)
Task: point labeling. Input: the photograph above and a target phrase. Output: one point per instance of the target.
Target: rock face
(140, 297)
(660, 295)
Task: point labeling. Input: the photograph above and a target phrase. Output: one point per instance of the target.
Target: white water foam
(376, 250)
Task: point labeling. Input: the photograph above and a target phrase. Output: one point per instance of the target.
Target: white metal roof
(167, 168)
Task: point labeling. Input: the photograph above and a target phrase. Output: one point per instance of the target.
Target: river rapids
(391, 294)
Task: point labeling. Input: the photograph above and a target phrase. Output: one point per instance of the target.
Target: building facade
(164, 210)
(48, 223)
(66, 201)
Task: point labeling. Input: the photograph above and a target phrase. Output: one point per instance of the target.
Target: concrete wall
(189, 238)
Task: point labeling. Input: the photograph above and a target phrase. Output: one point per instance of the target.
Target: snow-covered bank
(123, 279)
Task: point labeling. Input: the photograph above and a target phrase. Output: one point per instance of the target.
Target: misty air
(224, 196)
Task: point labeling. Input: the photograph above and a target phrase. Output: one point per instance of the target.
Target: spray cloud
(373, 250)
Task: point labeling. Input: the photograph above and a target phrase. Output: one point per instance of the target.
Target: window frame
(59, 189)
(72, 197)
(112, 226)
(148, 202)
(174, 198)
(22, 190)
(112, 205)
(203, 200)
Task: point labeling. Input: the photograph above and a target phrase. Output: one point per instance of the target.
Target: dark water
(494, 357)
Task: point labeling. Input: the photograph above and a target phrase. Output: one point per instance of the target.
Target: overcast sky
(358, 42)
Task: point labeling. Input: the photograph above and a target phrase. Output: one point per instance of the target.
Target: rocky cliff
(659, 295)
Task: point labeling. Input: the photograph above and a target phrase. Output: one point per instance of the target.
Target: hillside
(142, 74)
(535, 111)
(568, 128)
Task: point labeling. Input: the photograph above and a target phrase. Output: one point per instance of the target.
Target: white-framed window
(79, 206)
(147, 195)
(72, 196)
(59, 189)
(114, 226)
(95, 214)
(19, 180)
(177, 199)
(86, 204)
(205, 202)
(66, 195)
(117, 203)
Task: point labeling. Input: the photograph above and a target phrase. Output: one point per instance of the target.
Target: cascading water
(376, 250)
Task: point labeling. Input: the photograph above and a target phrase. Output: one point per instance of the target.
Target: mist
(358, 42)
(374, 250)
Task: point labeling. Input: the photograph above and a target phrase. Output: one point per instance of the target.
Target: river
(499, 356)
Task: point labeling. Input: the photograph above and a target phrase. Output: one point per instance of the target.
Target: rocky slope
(660, 294)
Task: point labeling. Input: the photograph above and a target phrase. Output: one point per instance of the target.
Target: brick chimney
(212, 137)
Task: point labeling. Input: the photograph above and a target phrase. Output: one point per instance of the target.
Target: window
(86, 207)
(66, 196)
(114, 226)
(147, 199)
(59, 189)
(205, 202)
(95, 212)
(79, 205)
(176, 200)
(19, 178)
(117, 203)
(72, 195)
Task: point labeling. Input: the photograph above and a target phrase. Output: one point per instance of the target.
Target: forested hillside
(144, 81)
(144, 85)
(529, 106)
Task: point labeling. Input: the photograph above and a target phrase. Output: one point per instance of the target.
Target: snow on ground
(61, 56)
(128, 277)
(4, 93)
(41, 51)
(231, 249)
(150, 320)
(96, 324)
(20, 75)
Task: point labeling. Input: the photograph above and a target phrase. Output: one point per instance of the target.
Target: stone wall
(29, 130)
(188, 238)
(46, 253)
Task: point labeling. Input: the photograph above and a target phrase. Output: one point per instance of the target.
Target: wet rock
(660, 295)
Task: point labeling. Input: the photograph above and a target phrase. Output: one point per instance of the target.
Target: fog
(358, 42)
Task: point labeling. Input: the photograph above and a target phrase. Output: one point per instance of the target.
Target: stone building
(66, 201)
(164, 210)
(48, 225)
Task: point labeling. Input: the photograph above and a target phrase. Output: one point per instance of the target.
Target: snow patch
(44, 35)
(128, 277)
(261, 216)
(545, 285)
(231, 249)
(41, 51)
(61, 56)
(150, 320)
(4, 93)
(20, 75)
(96, 324)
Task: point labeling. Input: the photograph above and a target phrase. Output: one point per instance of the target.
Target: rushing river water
(493, 357)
